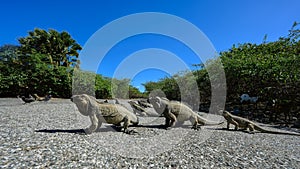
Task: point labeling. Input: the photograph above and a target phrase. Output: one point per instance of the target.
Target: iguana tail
(203, 121)
(258, 128)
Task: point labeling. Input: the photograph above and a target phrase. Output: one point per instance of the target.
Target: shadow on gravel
(151, 126)
(74, 131)
(230, 130)
(162, 126)
(79, 131)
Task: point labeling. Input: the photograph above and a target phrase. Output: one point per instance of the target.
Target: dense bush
(269, 70)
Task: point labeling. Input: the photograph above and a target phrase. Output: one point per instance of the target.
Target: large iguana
(103, 112)
(175, 111)
(243, 123)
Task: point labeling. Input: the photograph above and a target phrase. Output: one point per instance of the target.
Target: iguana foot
(167, 128)
(197, 128)
(87, 131)
(130, 132)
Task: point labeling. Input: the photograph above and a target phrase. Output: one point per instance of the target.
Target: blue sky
(224, 23)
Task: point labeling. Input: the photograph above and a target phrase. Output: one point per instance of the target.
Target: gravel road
(50, 135)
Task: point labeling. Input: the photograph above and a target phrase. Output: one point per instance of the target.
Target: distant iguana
(243, 123)
(100, 112)
(175, 111)
(137, 109)
(144, 103)
(26, 99)
(38, 98)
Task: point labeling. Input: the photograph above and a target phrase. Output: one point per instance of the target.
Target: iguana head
(158, 104)
(82, 103)
(153, 101)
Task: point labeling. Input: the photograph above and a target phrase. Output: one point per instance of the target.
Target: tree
(10, 77)
(58, 49)
(135, 93)
(44, 62)
(120, 88)
(103, 87)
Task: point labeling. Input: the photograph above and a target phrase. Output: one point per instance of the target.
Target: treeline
(45, 61)
(103, 87)
(269, 71)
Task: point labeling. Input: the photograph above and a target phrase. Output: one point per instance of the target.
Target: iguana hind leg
(126, 124)
(170, 120)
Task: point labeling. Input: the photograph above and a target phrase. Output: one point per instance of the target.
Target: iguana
(243, 123)
(137, 109)
(144, 103)
(175, 111)
(26, 99)
(100, 112)
(140, 110)
(38, 98)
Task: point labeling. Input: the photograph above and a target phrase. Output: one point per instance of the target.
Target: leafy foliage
(103, 87)
(43, 62)
(58, 49)
(269, 70)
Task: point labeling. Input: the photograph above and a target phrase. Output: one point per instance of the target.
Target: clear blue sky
(224, 22)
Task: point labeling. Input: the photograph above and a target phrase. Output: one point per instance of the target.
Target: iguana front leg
(173, 120)
(231, 121)
(170, 119)
(195, 123)
(94, 124)
(126, 124)
(99, 118)
(167, 122)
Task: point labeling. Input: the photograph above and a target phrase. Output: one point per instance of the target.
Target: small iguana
(38, 98)
(175, 111)
(26, 99)
(243, 123)
(100, 112)
(144, 103)
(137, 109)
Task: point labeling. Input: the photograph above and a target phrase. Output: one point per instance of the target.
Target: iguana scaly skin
(243, 123)
(175, 111)
(103, 112)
